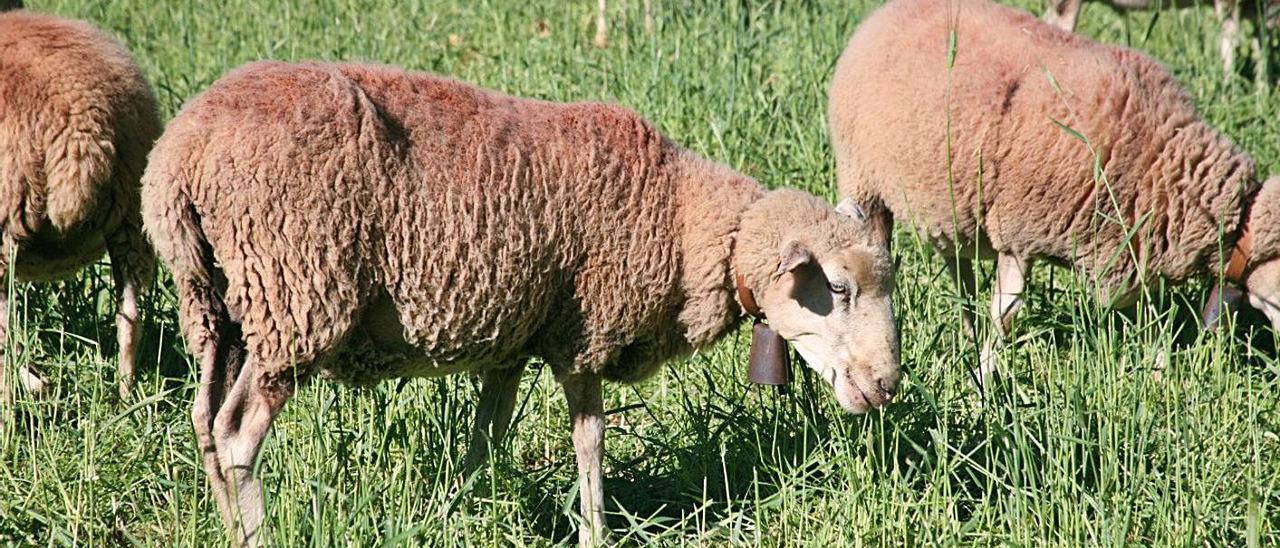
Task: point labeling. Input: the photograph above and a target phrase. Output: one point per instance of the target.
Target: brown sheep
(1065, 13)
(363, 223)
(981, 159)
(76, 121)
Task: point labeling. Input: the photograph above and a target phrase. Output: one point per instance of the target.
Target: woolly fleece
(369, 222)
(76, 121)
(1024, 185)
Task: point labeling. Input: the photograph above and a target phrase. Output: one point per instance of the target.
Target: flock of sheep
(468, 230)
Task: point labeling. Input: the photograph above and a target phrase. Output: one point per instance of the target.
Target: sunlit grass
(1109, 429)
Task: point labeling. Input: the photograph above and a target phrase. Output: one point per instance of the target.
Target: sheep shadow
(735, 446)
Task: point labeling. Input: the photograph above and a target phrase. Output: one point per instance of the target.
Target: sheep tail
(174, 224)
(78, 164)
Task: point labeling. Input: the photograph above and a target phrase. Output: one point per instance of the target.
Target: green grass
(1111, 429)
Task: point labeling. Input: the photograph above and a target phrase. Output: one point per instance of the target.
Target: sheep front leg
(239, 429)
(1006, 301)
(132, 266)
(586, 410)
(493, 413)
(1063, 14)
(1011, 281)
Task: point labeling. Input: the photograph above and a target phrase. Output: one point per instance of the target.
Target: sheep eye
(839, 288)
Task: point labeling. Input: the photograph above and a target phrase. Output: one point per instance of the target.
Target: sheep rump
(77, 119)
(1022, 183)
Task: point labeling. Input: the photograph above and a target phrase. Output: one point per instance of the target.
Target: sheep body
(363, 223)
(77, 119)
(1022, 184)
(418, 227)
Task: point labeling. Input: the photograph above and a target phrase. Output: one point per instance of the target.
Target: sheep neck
(713, 201)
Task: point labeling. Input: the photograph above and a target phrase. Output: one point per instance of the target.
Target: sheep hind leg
(217, 360)
(586, 411)
(498, 392)
(132, 266)
(240, 427)
(1006, 301)
(30, 379)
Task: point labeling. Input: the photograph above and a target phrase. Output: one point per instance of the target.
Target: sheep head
(1262, 269)
(827, 289)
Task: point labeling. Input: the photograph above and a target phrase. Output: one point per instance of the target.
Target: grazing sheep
(980, 159)
(363, 223)
(76, 121)
(1065, 13)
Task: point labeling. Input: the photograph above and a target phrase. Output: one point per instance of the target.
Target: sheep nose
(886, 388)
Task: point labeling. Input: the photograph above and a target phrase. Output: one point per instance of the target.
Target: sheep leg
(1063, 14)
(602, 26)
(32, 381)
(961, 271)
(132, 265)
(493, 414)
(239, 429)
(1011, 281)
(1006, 301)
(1228, 12)
(214, 370)
(586, 409)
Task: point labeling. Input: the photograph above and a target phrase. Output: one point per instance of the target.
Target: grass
(1110, 429)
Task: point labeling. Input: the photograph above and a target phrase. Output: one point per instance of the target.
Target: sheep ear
(851, 209)
(794, 254)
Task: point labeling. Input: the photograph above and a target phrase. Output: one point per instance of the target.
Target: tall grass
(1107, 429)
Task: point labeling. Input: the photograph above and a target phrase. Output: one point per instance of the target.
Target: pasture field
(1109, 428)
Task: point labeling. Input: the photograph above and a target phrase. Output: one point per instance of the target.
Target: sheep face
(1264, 290)
(832, 301)
(1263, 278)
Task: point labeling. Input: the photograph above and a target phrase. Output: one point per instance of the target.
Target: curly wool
(1021, 183)
(76, 121)
(368, 222)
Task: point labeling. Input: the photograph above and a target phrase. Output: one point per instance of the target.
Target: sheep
(361, 223)
(77, 119)
(1065, 13)
(995, 157)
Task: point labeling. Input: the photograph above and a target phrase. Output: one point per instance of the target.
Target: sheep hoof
(988, 365)
(35, 384)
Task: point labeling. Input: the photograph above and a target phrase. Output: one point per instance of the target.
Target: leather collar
(747, 298)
